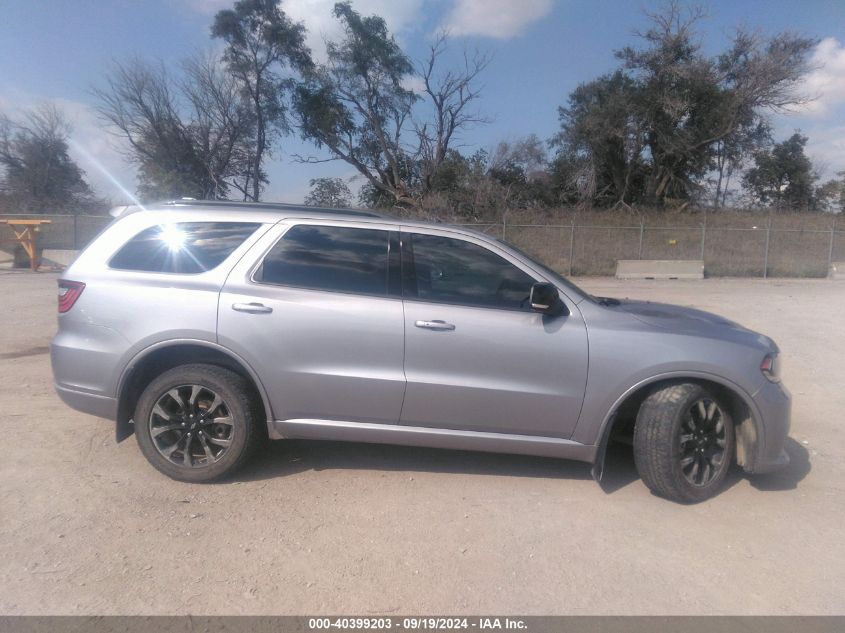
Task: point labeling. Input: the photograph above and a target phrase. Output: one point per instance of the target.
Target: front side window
(447, 270)
(333, 258)
(182, 247)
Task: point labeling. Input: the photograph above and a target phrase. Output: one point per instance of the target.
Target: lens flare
(99, 166)
(172, 237)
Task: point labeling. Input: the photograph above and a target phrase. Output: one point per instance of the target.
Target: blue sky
(55, 50)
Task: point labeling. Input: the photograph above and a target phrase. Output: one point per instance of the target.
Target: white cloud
(501, 19)
(400, 16)
(827, 82)
(826, 149)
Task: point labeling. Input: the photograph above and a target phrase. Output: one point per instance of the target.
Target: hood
(681, 320)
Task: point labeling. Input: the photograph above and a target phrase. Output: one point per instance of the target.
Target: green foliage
(650, 131)
(37, 175)
(263, 47)
(192, 137)
(328, 192)
(831, 195)
(601, 127)
(783, 176)
(356, 104)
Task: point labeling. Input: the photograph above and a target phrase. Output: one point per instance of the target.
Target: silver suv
(206, 327)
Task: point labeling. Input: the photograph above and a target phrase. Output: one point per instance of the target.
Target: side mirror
(545, 299)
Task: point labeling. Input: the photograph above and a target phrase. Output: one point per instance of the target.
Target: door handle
(252, 308)
(435, 325)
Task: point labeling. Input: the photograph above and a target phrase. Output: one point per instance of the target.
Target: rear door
(476, 357)
(315, 308)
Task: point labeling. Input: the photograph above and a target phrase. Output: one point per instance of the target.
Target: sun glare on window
(172, 237)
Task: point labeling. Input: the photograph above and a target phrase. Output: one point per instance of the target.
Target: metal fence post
(504, 227)
(830, 248)
(75, 234)
(766, 256)
(640, 249)
(571, 246)
(703, 237)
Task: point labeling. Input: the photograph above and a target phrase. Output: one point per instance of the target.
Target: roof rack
(282, 206)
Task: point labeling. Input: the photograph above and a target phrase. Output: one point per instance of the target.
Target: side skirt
(306, 429)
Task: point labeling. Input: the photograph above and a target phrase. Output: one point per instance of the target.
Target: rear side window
(338, 259)
(182, 247)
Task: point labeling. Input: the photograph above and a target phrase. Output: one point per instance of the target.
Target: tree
(190, 137)
(731, 153)
(783, 176)
(831, 195)
(462, 186)
(601, 126)
(519, 169)
(663, 114)
(328, 192)
(449, 96)
(37, 174)
(359, 107)
(263, 46)
(222, 126)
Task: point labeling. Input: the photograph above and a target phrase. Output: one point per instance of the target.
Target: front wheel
(196, 423)
(683, 442)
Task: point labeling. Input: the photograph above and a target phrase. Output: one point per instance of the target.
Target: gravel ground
(87, 527)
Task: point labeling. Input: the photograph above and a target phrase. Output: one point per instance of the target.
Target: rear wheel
(683, 442)
(197, 423)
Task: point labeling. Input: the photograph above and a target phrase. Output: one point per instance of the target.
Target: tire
(180, 409)
(683, 451)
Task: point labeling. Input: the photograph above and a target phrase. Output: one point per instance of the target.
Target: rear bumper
(92, 404)
(775, 404)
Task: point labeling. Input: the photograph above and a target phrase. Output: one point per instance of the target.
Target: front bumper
(775, 405)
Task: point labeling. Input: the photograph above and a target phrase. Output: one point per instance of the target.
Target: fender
(123, 428)
(609, 418)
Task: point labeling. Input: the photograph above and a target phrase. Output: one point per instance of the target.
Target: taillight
(69, 292)
(769, 367)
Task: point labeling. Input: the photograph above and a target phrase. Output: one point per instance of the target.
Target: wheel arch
(748, 429)
(160, 357)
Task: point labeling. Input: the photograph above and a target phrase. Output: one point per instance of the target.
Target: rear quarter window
(182, 247)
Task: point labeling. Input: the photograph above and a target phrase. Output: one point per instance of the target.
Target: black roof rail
(270, 206)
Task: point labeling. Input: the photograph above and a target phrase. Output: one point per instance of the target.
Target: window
(447, 270)
(183, 247)
(331, 258)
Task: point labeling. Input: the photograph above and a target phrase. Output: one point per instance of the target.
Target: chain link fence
(65, 232)
(584, 249)
(580, 249)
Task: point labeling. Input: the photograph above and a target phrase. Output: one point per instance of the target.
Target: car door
(476, 357)
(315, 308)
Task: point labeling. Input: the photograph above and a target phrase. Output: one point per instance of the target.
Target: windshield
(549, 272)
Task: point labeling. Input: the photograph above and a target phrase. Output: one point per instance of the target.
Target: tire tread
(654, 436)
(241, 392)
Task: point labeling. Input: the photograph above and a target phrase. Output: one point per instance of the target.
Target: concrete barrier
(837, 270)
(660, 269)
(7, 260)
(57, 258)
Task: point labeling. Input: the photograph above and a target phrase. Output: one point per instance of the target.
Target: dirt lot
(86, 526)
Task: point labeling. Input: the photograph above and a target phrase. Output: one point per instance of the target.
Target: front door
(476, 357)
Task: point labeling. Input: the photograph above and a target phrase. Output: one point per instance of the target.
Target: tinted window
(329, 258)
(182, 247)
(454, 271)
